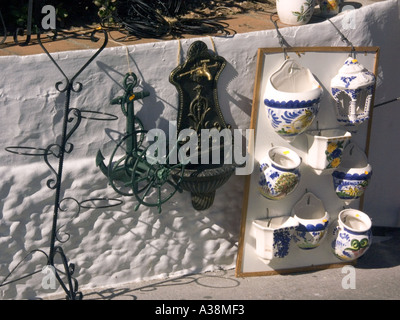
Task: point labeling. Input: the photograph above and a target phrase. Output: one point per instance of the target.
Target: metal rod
(28, 27)
(386, 102)
(59, 150)
(4, 28)
(69, 87)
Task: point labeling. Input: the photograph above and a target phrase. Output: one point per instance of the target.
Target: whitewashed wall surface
(118, 245)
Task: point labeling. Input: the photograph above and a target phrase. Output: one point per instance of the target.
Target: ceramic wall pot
(291, 97)
(325, 148)
(279, 173)
(273, 237)
(329, 8)
(352, 235)
(352, 177)
(295, 12)
(352, 88)
(313, 221)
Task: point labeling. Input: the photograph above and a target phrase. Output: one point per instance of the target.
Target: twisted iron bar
(71, 121)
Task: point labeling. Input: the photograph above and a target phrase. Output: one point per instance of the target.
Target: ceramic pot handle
(336, 229)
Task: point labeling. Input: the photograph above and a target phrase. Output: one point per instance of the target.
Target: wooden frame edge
(253, 120)
(295, 270)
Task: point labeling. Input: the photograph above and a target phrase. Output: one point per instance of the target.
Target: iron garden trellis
(72, 118)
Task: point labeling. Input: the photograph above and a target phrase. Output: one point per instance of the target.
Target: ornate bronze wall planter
(196, 81)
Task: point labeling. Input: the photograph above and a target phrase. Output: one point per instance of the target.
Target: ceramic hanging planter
(352, 177)
(352, 88)
(329, 8)
(279, 173)
(273, 237)
(313, 221)
(352, 235)
(292, 97)
(325, 149)
(295, 12)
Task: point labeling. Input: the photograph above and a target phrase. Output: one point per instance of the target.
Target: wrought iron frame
(71, 121)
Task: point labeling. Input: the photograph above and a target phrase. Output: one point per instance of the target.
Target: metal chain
(344, 39)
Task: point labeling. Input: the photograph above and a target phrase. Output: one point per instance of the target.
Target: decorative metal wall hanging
(196, 81)
(71, 121)
(138, 172)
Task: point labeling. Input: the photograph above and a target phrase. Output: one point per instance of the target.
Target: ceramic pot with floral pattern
(274, 236)
(291, 98)
(352, 236)
(295, 12)
(352, 177)
(313, 220)
(279, 173)
(329, 8)
(325, 148)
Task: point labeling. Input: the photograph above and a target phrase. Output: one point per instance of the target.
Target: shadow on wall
(207, 281)
(383, 254)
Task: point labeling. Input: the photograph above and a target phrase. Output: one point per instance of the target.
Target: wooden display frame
(324, 63)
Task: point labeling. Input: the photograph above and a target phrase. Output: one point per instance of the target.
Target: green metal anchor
(133, 124)
(126, 101)
(149, 181)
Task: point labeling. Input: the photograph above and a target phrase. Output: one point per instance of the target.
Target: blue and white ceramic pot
(313, 221)
(352, 177)
(325, 149)
(352, 236)
(274, 236)
(353, 88)
(292, 97)
(279, 173)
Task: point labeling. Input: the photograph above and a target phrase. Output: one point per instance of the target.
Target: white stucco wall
(117, 245)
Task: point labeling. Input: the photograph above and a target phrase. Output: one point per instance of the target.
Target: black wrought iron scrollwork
(71, 121)
(52, 183)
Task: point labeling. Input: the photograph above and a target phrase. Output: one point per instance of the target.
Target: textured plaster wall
(117, 245)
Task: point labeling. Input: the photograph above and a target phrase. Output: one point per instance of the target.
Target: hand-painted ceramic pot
(329, 8)
(352, 236)
(279, 173)
(291, 97)
(313, 221)
(295, 12)
(325, 148)
(352, 177)
(353, 88)
(273, 237)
